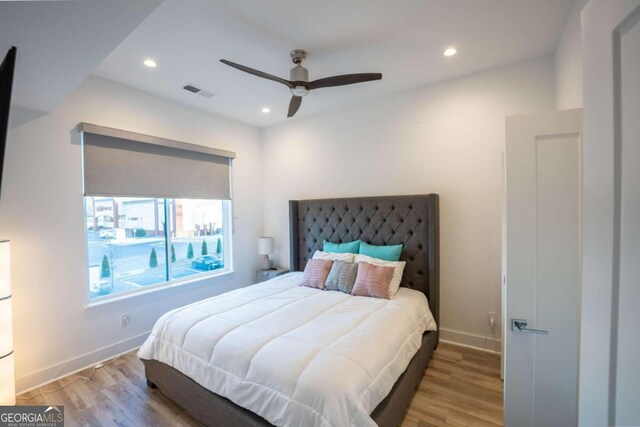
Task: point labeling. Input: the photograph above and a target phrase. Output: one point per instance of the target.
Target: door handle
(520, 325)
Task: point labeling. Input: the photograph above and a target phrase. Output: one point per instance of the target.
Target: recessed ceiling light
(266, 110)
(150, 63)
(450, 51)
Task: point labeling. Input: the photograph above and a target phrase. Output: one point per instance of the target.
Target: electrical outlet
(492, 319)
(124, 320)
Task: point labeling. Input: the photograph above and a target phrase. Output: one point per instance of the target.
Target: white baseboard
(493, 345)
(71, 366)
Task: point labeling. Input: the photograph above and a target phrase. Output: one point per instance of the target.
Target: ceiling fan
(300, 84)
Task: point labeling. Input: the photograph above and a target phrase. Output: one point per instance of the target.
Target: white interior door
(610, 338)
(543, 268)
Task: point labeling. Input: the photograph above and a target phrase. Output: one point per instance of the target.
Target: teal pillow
(342, 248)
(387, 253)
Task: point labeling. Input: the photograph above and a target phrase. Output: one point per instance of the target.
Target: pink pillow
(316, 272)
(372, 280)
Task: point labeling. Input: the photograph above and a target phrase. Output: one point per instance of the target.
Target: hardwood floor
(461, 387)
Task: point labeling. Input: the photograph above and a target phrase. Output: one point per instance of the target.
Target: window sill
(166, 287)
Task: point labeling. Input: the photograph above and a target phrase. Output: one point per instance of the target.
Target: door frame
(603, 23)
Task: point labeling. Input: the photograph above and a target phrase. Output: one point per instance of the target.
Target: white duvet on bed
(294, 355)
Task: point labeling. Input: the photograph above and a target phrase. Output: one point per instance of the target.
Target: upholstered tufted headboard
(410, 220)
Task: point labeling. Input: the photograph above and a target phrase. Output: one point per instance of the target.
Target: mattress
(294, 355)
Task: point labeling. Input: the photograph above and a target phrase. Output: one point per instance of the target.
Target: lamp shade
(266, 246)
(7, 375)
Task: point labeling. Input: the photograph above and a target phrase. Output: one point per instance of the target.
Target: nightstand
(264, 275)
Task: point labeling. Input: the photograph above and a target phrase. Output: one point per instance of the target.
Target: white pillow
(347, 257)
(397, 272)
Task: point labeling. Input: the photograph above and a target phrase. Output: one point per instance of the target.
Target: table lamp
(266, 247)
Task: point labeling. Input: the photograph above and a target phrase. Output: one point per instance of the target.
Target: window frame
(227, 253)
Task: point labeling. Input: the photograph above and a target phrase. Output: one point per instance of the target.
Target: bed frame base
(214, 410)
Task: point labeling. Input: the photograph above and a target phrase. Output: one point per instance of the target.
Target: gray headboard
(410, 220)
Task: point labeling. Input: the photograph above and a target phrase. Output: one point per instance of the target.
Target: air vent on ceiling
(198, 90)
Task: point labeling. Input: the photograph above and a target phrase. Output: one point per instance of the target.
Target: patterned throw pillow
(397, 273)
(372, 281)
(342, 276)
(316, 272)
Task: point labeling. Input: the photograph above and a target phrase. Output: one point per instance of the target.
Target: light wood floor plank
(462, 387)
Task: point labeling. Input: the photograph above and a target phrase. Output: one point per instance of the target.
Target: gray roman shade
(121, 163)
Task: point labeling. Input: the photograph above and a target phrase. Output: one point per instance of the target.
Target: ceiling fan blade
(294, 105)
(344, 79)
(258, 73)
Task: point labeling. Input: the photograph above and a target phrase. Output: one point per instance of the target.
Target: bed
(239, 345)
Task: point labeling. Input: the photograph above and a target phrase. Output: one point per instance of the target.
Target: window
(131, 253)
(172, 226)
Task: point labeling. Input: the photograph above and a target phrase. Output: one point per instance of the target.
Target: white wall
(41, 211)
(446, 139)
(568, 61)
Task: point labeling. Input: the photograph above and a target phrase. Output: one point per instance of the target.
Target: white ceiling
(59, 44)
(402, 39)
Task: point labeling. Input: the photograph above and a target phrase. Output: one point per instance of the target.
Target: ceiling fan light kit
(300, 84)
(299, 73)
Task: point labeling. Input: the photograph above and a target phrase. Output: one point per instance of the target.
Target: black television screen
(6, 83)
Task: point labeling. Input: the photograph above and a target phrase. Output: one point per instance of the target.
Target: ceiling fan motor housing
(299, 74)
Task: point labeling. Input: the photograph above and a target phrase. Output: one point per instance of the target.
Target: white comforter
(294, 355)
